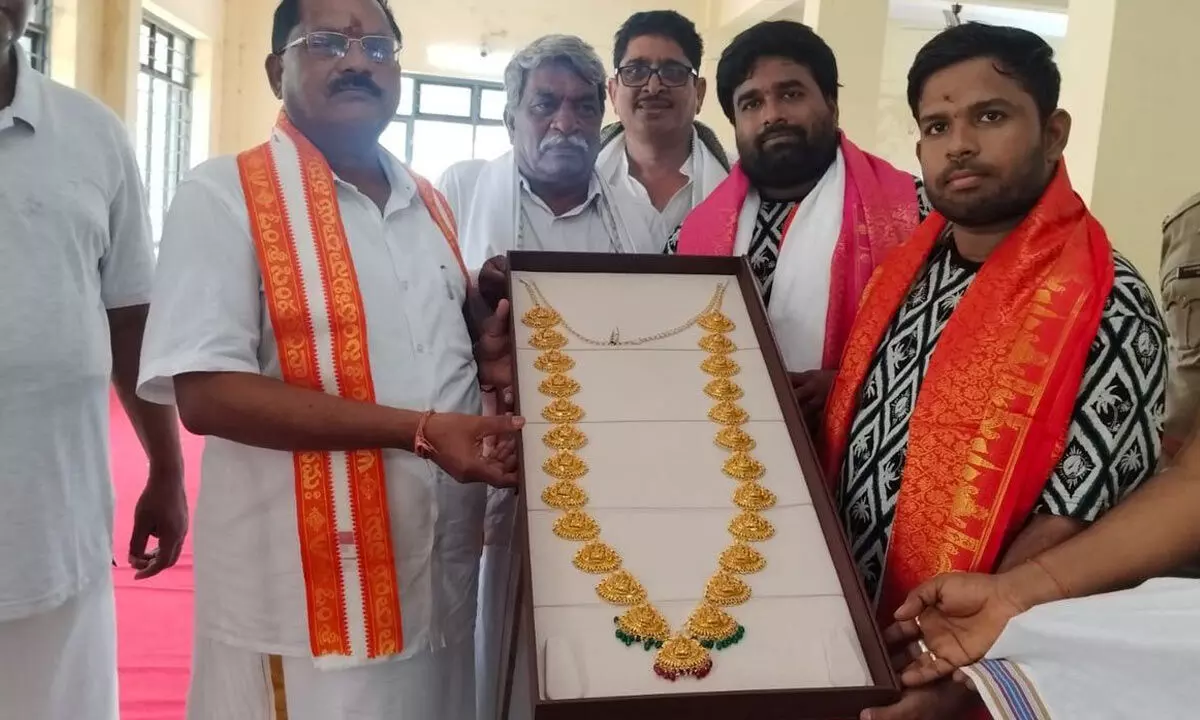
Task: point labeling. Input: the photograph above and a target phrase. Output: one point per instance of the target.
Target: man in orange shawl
(812, 212)
(1004, 380)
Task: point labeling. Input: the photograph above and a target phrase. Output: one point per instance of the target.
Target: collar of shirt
(593, 193)
(27, 101)
(404, 189)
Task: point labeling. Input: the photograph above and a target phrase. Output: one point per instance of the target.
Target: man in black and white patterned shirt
(812, 212)
(929, 443)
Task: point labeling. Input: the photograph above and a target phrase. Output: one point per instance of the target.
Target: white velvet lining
(655, 486)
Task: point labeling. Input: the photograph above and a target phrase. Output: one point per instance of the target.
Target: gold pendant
(576, 525)
(734, 439)
(562, 410)
(720, 366)
(717, 343)
(554, 361)
(726, 589)
(564, 495)
(716, 322)
(682, 656)
(597, 557)
(559, 386)
(727, 412)
(547, 339)
(564, 437)
(752, 496)
(723, 389)
(540, 317)
(742, 559)
(741, 466)
(565, 465)
(621, 588)
(713, 626)
(751, 527)
(643, 624)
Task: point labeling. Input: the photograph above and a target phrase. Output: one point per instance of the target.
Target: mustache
(972, 167)
(552, 141)
(355, 81)
(789, 131)
(661, 97)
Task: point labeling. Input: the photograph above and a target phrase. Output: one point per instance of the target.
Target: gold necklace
(547, 317)
(686, 651)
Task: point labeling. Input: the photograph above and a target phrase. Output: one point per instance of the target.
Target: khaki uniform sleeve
(1181, 300)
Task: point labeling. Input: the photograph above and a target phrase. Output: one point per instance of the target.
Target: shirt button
(404, 285)
(420, 348)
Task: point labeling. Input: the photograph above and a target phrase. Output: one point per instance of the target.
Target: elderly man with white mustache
(545, 194)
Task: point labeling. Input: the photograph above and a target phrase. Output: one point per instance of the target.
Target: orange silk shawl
(992, 413)
(288, 301)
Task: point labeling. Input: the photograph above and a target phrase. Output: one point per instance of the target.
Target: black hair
(287, 17)
(1019, 54)
(663, 23)
(776, 38)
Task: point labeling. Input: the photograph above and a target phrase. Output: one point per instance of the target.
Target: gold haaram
(688, 650)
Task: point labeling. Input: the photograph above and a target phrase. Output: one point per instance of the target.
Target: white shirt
(701, 169)
(208, 315)
(497, 212)
(676, 208)
(74, 243)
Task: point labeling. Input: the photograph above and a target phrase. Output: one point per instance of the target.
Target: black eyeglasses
(327, 44)
(670, 74)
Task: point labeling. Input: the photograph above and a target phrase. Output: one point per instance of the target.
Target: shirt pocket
(1181, 301)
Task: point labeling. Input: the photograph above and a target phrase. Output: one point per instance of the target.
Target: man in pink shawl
(813, 213)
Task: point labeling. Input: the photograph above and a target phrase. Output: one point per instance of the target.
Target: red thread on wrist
(422, 448)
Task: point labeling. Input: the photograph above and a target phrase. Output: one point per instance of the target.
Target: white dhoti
(62, 664)
(498, 576)
(1128, 655)
(232, 683)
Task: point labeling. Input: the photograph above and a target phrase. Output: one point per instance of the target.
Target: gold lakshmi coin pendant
(682, 655)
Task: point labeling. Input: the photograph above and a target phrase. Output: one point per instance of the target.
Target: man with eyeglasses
(76, 262)
(812, 212)
(308, 318)
(658, 152)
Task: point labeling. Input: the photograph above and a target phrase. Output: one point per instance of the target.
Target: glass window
(406, 96)
(453, 100)
(395, 140)
(164, 124)
(438, 145)
(491, 141)
(491, 104)
(36, 40)
(443, 121)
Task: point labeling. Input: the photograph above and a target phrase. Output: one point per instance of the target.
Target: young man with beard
(1004, 381)
(812, 212)
(658, 152)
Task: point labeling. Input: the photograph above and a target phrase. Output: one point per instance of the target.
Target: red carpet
(154, 617)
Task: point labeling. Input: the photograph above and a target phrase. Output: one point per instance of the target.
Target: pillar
(1135, 142)
(856, 30)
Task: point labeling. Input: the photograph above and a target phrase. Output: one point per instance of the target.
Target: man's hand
(811, 388)
(161, 512)
(473, 448)
(944, 701)
(493, 281)
(961, 616)
(493, 351)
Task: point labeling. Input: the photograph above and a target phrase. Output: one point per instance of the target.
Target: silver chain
(614, 340)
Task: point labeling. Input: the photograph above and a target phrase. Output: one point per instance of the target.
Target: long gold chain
(686, 651)
(614, 339)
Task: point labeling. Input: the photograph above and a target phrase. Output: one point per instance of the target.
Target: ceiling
(1044, 17)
